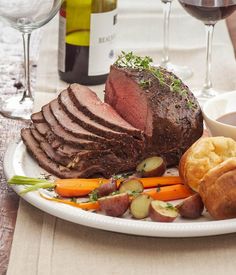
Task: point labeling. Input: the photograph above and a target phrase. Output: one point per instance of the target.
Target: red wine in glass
(209, 12)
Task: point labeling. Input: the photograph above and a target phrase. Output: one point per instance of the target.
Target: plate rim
(119, 225)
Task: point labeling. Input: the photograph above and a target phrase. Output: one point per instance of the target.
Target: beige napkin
(44, 244)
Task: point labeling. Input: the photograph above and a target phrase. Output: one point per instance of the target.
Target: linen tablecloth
(44, 244)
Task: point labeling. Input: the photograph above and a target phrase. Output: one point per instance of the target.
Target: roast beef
(63, 119)
(104, 164)
(122, 144)
(86, 122)
(64, 138)
(58, 130)
(37, 117)
(67, 157)
(58, 170)
(170, 118)
(147, 111)
(134, 146)
(89, 103)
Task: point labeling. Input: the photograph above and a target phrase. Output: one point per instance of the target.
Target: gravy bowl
(215, 108)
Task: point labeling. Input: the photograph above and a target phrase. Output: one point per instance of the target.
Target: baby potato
(131, 185)
(160, 211)
(116, 205)
(191, 208)
(139, 206)
(152, 167)
(106, 189)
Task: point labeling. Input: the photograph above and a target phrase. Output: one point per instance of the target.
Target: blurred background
(140, 29)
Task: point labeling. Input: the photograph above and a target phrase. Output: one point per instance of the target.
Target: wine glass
(25, 16)
(181, 71)
(209, 12)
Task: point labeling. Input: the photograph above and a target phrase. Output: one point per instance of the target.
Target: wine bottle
(87, 30)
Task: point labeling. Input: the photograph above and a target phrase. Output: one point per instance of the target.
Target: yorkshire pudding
(203, 155)
(218, 190)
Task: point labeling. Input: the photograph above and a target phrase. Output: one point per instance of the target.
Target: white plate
(18, 161)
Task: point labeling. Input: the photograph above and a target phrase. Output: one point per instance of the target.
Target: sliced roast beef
(69, 125)
(63, 138)
(59, 131)
(171, 118)
(37, 117)
(37, 135)
(86, 122)
(52, 167)
(67, 157)
(51, 152)
(77, 120)
(89, 103)
(122, 145)
(104, 164)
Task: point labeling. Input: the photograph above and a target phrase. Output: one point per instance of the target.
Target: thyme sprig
(132, 61)
(129, 60)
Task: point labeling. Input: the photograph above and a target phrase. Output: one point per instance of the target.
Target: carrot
(76, 187)
(82, 187)
(93, 205)
(160, 181)
(168, 193)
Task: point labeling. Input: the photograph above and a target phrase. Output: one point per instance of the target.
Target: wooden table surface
(9, 201)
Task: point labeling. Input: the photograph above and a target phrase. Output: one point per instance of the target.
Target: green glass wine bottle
(87, 31)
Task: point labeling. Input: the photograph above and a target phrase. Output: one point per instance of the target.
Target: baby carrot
(90, 205)
(75, 187)
(165, 193)
(160, 181)
(82, 187)
(168, 193)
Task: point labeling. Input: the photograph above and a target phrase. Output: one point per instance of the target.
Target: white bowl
(217, 107)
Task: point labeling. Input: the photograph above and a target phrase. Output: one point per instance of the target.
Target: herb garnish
(122, 176)
(170, 206)
(145, 84)
(93, 196)
(129, 60)
(115, 193)
(133, 193)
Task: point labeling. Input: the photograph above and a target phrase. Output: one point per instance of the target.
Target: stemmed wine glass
(181, 71)
(209, 12)
(25, 16)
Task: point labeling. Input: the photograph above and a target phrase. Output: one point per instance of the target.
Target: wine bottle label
(102, 35)
(61, 44)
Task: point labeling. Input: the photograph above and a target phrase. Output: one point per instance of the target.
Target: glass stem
(166, 13)
(26, 45)
(209, 36)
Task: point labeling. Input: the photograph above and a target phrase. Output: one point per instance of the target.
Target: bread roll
(202, 156)
(218, 190)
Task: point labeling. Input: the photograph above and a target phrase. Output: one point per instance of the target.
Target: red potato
(191, 208)
(130, 186)
(139, 206)
(116, 205)
(160, 211)
(106, 189)
(152, 167)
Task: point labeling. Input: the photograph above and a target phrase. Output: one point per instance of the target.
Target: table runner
(44, 244)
